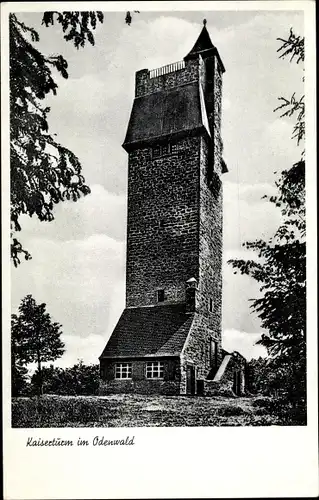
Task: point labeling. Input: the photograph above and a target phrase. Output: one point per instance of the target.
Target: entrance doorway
(190, 380)
(237, 383)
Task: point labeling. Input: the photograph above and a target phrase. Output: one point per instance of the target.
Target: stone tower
(174, 224)
(171, 326)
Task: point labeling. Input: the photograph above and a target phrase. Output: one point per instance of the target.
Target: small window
(211, 305)
(156, 152)
(162, 150)
(174, 148)
(160, 295)
(123, 370)
(166, 149)
(155, 369)
(190, 299)
(213, 353)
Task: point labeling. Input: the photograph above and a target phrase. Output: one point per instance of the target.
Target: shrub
(232, 411)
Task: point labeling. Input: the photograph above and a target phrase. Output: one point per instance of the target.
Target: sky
(78, 264)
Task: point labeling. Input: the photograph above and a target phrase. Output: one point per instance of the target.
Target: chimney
(191, 291)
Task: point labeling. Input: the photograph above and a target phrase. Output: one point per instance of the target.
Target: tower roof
(178, 111)
(203, 42)
(204, 47)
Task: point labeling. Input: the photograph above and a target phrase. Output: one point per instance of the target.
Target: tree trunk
(40, 388)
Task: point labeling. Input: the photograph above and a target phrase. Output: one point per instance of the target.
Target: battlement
(169, 68)
(165, 77)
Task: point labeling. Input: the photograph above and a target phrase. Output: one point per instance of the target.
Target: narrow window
(211, 305)
(155, 369)
(156, 152)
(160, 296)
(213, 353)
(123, 370)
(174, 148)
(190, 299)
(161, 223)
(166, 149)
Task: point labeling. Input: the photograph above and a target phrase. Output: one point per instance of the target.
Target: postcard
(159, 230)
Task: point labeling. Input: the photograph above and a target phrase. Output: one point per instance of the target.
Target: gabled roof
(149, 331)
(167, 112)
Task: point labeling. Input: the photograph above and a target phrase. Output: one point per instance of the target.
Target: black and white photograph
(158, 172)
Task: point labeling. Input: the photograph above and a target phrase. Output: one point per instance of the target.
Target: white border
(169, 462)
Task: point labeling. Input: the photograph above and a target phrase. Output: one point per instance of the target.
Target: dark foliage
(35, 338)
(128, 17)
(43, 171)
(280, 268)
(19, 379)
(79, 380)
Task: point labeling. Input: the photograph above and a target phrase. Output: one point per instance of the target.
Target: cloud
(244, 343)
(246, 215)
(226, 103)
(77, 348)
(238, 293)
(276, 135)
(174, 36)
(88, 348)
(100, 212)
(81, 281)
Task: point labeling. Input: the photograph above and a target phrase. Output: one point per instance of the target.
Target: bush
(231, 411)
(288, 412)
(79, 380)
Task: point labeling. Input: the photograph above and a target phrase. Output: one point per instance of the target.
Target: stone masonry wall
(207, 325)
(210, 247)
(162, 228)
(197, 350)
(139, 384)
(146, 85)
(225, 386)
(217, 117)
(211, 78)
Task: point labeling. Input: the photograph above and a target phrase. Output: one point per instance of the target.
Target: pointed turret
(203, 42)
(204, 47)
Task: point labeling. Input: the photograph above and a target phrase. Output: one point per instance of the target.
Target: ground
(141, 411)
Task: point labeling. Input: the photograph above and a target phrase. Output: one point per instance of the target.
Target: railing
(170, 68)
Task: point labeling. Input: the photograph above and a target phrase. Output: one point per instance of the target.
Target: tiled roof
(149, 331)
(166, 112)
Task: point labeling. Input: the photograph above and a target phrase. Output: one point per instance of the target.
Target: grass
(141, 411)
